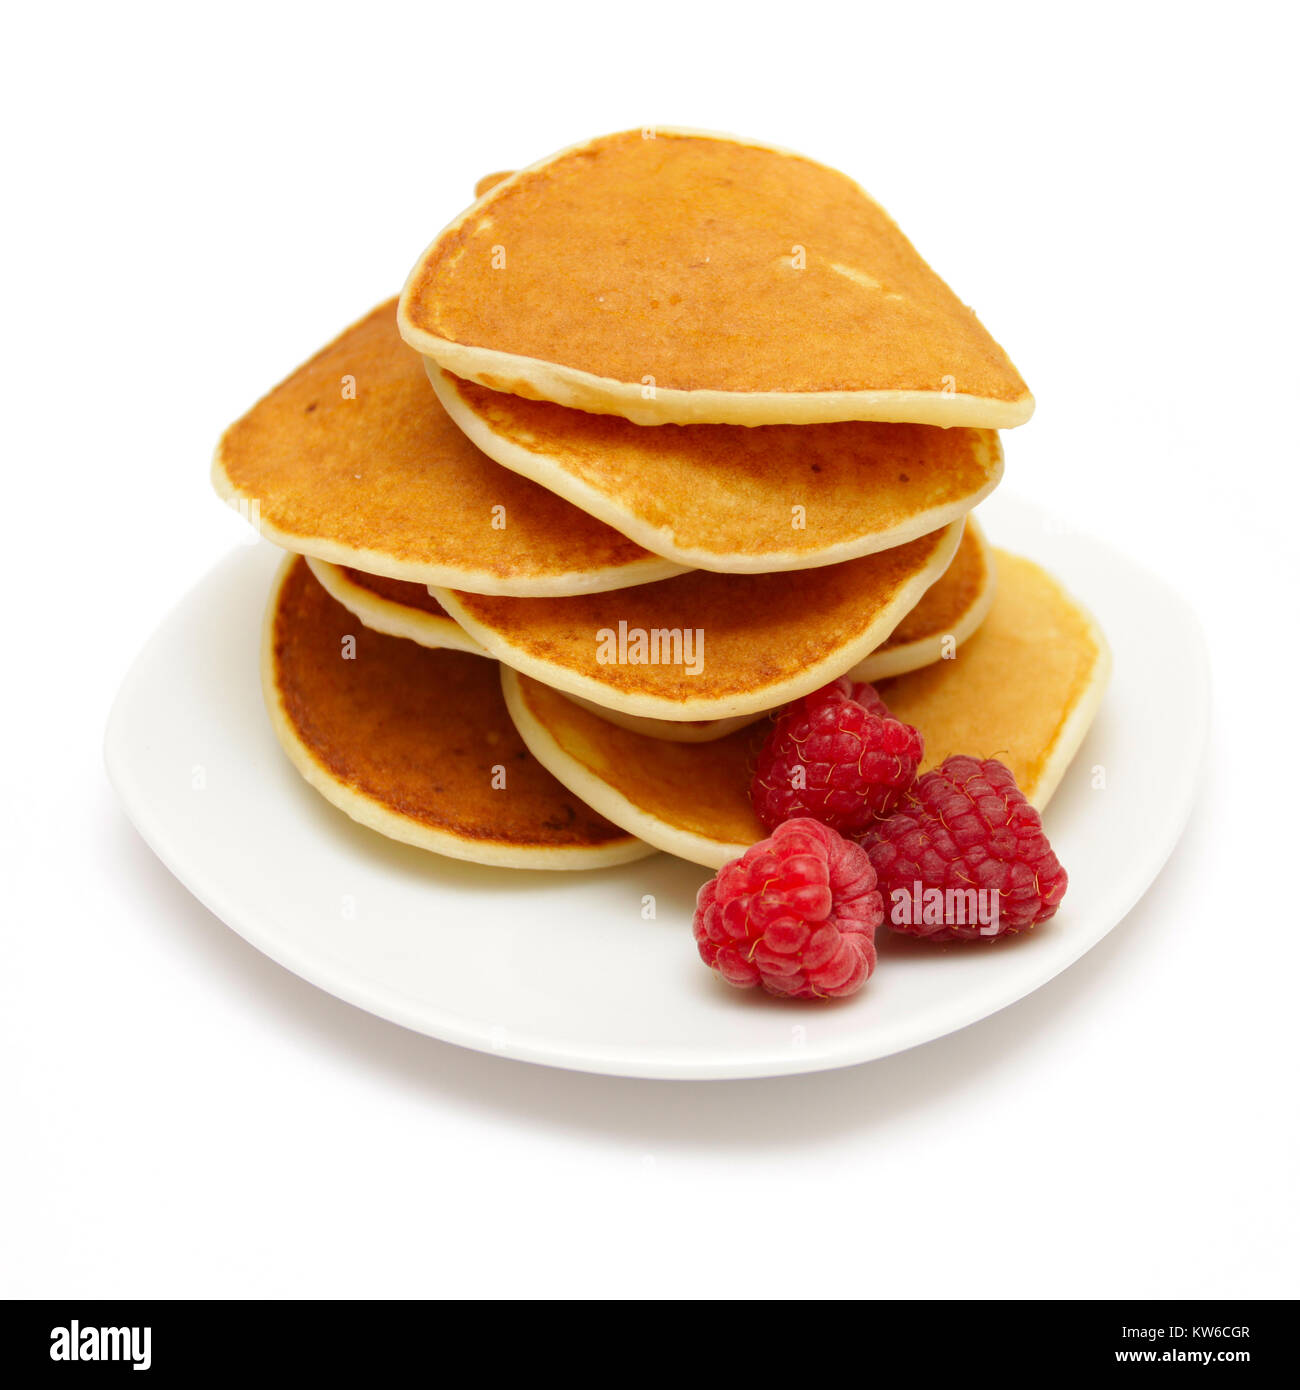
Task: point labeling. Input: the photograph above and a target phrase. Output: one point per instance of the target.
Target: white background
(195, 202)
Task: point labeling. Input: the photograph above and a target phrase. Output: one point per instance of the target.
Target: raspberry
(796, 913)
(866, 695)
(838, 756)
(966, 825)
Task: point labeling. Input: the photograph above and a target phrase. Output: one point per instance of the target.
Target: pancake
(1024, 689)
(352, 460)
(726, 644)
(407, 740)
(690, 799)
(682, 277)
(394, 606)
(409, 610)
(736, 500)
(949, 611)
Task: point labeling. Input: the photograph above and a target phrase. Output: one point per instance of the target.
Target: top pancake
(352, 460)
(736, 500)
(675, 276)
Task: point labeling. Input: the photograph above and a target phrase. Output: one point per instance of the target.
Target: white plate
(563, 968)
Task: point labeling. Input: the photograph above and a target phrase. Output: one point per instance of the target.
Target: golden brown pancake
(694, 278)
(410, 611)
(1023, 689)
(949, 611)
(690, 799)
(708, 646)
(352, 460)
(409, 741)
(394, 606)
(737, 500)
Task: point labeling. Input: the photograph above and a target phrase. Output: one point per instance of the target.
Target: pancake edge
(615, 807)
(660, 540)
(1070, 736)
(925, 651)
(374, 816)
(600, 796)
(428, 630)
(670, 730)
(724, 707)
(387, 616)
(563, 585)
(601, 395)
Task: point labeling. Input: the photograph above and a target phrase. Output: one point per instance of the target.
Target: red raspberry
(866, 695)
(838, 756)
(796, 913)
(966, 825)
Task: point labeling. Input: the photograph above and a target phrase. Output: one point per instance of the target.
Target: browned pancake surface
(674, 257)
(700, 788)
(759, 629)
(732, 490)
(387, 473)
(416, 730)
(1010, 692)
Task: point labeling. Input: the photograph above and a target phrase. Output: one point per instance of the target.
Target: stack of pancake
(664, 431)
